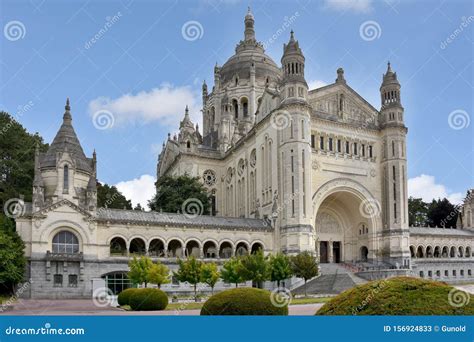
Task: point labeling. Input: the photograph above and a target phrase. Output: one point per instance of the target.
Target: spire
(389, 68)
(292, 36)
(67, 118)
(249, 26)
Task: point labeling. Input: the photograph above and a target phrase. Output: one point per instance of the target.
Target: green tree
(139, 270)
(12, 257)
(181, 193)
(190, 271)
(280, 268)
(17, 156)
(210, 275)
(158, 274)
(417, 212)
(138, 207)
(254, 267)
(109, 196)
(304, 266)
(441, 213)
(230, 273)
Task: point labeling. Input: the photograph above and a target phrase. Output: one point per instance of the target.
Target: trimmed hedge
(148, 299)
(124, 296)
(401, 296)
(242, 301)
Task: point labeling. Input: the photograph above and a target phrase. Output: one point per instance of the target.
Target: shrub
(124, 296)
(148, 299)
(242, 301)
(400, 296)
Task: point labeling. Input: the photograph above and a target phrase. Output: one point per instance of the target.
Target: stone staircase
(334, 279)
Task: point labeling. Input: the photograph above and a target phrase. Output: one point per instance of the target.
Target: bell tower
(394, 170)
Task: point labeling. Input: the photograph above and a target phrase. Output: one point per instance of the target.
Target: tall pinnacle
(67, 118)
(249, 26)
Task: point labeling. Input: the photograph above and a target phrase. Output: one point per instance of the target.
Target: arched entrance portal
(345, 225)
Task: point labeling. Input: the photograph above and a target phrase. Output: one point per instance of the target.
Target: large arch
(242, 248)
(175, 248)
(137, 246)
(193, 248)
(226, 249)
(210, 249)
(118, 246)
(156, 248)
(347, 218)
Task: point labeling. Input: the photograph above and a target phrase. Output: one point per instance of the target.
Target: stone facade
(290, 169)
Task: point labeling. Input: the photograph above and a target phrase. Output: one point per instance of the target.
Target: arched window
(225, 250)
(65, 242)
(137, 247)
(188, 144)
(245, 106)
(66, 179)
(235, 106)
(210, 249)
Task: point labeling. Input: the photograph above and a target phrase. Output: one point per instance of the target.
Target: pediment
(328, 101)
(63, 206)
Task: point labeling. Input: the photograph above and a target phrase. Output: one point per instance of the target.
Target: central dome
(249, 53)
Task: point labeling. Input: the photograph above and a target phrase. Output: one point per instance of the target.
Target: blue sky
(132, 59)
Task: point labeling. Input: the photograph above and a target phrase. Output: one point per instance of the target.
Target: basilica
(288, 169)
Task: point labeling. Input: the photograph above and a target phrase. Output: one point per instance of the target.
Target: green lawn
(309, 300)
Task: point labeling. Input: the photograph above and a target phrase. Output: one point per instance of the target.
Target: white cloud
(316, 84)
(356, 6)
(425, 187)
(164, 104)
(138, 190)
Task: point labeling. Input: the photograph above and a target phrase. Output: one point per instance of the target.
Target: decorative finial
(292, 35)
(340, 75)
(389, 68)
(67, 118)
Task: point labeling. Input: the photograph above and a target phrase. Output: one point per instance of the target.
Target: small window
(312, 141)
(330, 144)
(66, 180)
(446, 273)
(58, 280)
(363, 150)
(321, 143)
(339, 146)
(355, 148)
(347, 147)
(462, 273)
(188, 144)
(454, 273)
(370, 152)
(72, 280)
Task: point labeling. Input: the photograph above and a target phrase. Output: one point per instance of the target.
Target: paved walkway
(86, 307)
